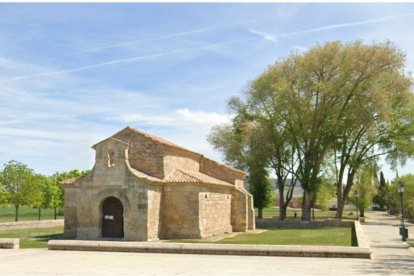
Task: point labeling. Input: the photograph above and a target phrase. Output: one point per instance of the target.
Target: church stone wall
(176, 159)
(145, 155)
(154, 212)
(213, 169)
(215, 211)
(180, 211)
(71, 212)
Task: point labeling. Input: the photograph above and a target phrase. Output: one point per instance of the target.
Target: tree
(243, 148)
(56, 190)
(373, 126)
(261, 188)
(19, 185)
(335, 99)
(325, 194)
(381, 197)
(394, 201)
(274, 144)
(49, 193)
(364, 188)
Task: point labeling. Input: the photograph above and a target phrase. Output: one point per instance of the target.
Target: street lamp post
(403, 230)
(356, 203)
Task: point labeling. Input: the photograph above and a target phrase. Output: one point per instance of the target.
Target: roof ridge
(168, 143)
(159, 139)
(110, 138)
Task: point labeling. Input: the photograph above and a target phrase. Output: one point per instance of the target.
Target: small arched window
(111, 159)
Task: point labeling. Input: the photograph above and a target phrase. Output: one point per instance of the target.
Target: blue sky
(73, 74)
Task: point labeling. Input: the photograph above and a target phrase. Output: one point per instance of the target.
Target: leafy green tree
(364, 188)
(56, 190)
(394, 201)
(381, 197)
(325, 194)
(261, 188)
(243, 148)
(335, 99)
(20, 185)
(47, 187)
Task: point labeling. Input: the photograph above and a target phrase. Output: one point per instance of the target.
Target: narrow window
(111, 161)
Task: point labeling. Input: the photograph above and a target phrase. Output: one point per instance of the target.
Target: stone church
(145, 188)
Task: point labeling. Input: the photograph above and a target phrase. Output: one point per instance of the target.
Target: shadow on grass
(46, 238)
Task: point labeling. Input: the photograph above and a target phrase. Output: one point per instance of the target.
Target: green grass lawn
(273, 212)
(25, 213)
(308, 236)
(34, 237)
(335, 236)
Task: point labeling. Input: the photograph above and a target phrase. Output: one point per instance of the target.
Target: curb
(212, 249)
(363, 242)
(4, 226)
(9, 243)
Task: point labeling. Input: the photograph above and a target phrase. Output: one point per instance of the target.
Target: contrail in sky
(349, 24)
(196, 31)
(174, 52)
(202, 30)
(117, 61)
(276, 37)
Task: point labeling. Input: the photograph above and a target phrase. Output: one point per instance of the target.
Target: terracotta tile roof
(110, 138)
(143, 175)
(182, 176)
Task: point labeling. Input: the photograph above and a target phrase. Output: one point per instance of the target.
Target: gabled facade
(145, 188)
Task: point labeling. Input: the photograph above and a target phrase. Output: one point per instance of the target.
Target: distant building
(144, 188)
(297, 192)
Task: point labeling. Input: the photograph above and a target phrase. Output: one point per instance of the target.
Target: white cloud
(202, 117)
(51, 124)
(180, 118)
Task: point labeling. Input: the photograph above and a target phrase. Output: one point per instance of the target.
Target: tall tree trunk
(339, 206)
(55, 213)
(282, 208)
(39, 213)
(342, 200)
(282, 211)
(339, 209)
(260, 212)
(281, 186)
(285, 206)
(313, 207)
(16, 214)
(306, 205)
(362, 212)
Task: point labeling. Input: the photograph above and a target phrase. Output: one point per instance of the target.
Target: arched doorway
(112, 218)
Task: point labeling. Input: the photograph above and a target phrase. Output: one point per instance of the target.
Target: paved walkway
(390, 257)
(390, 254)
